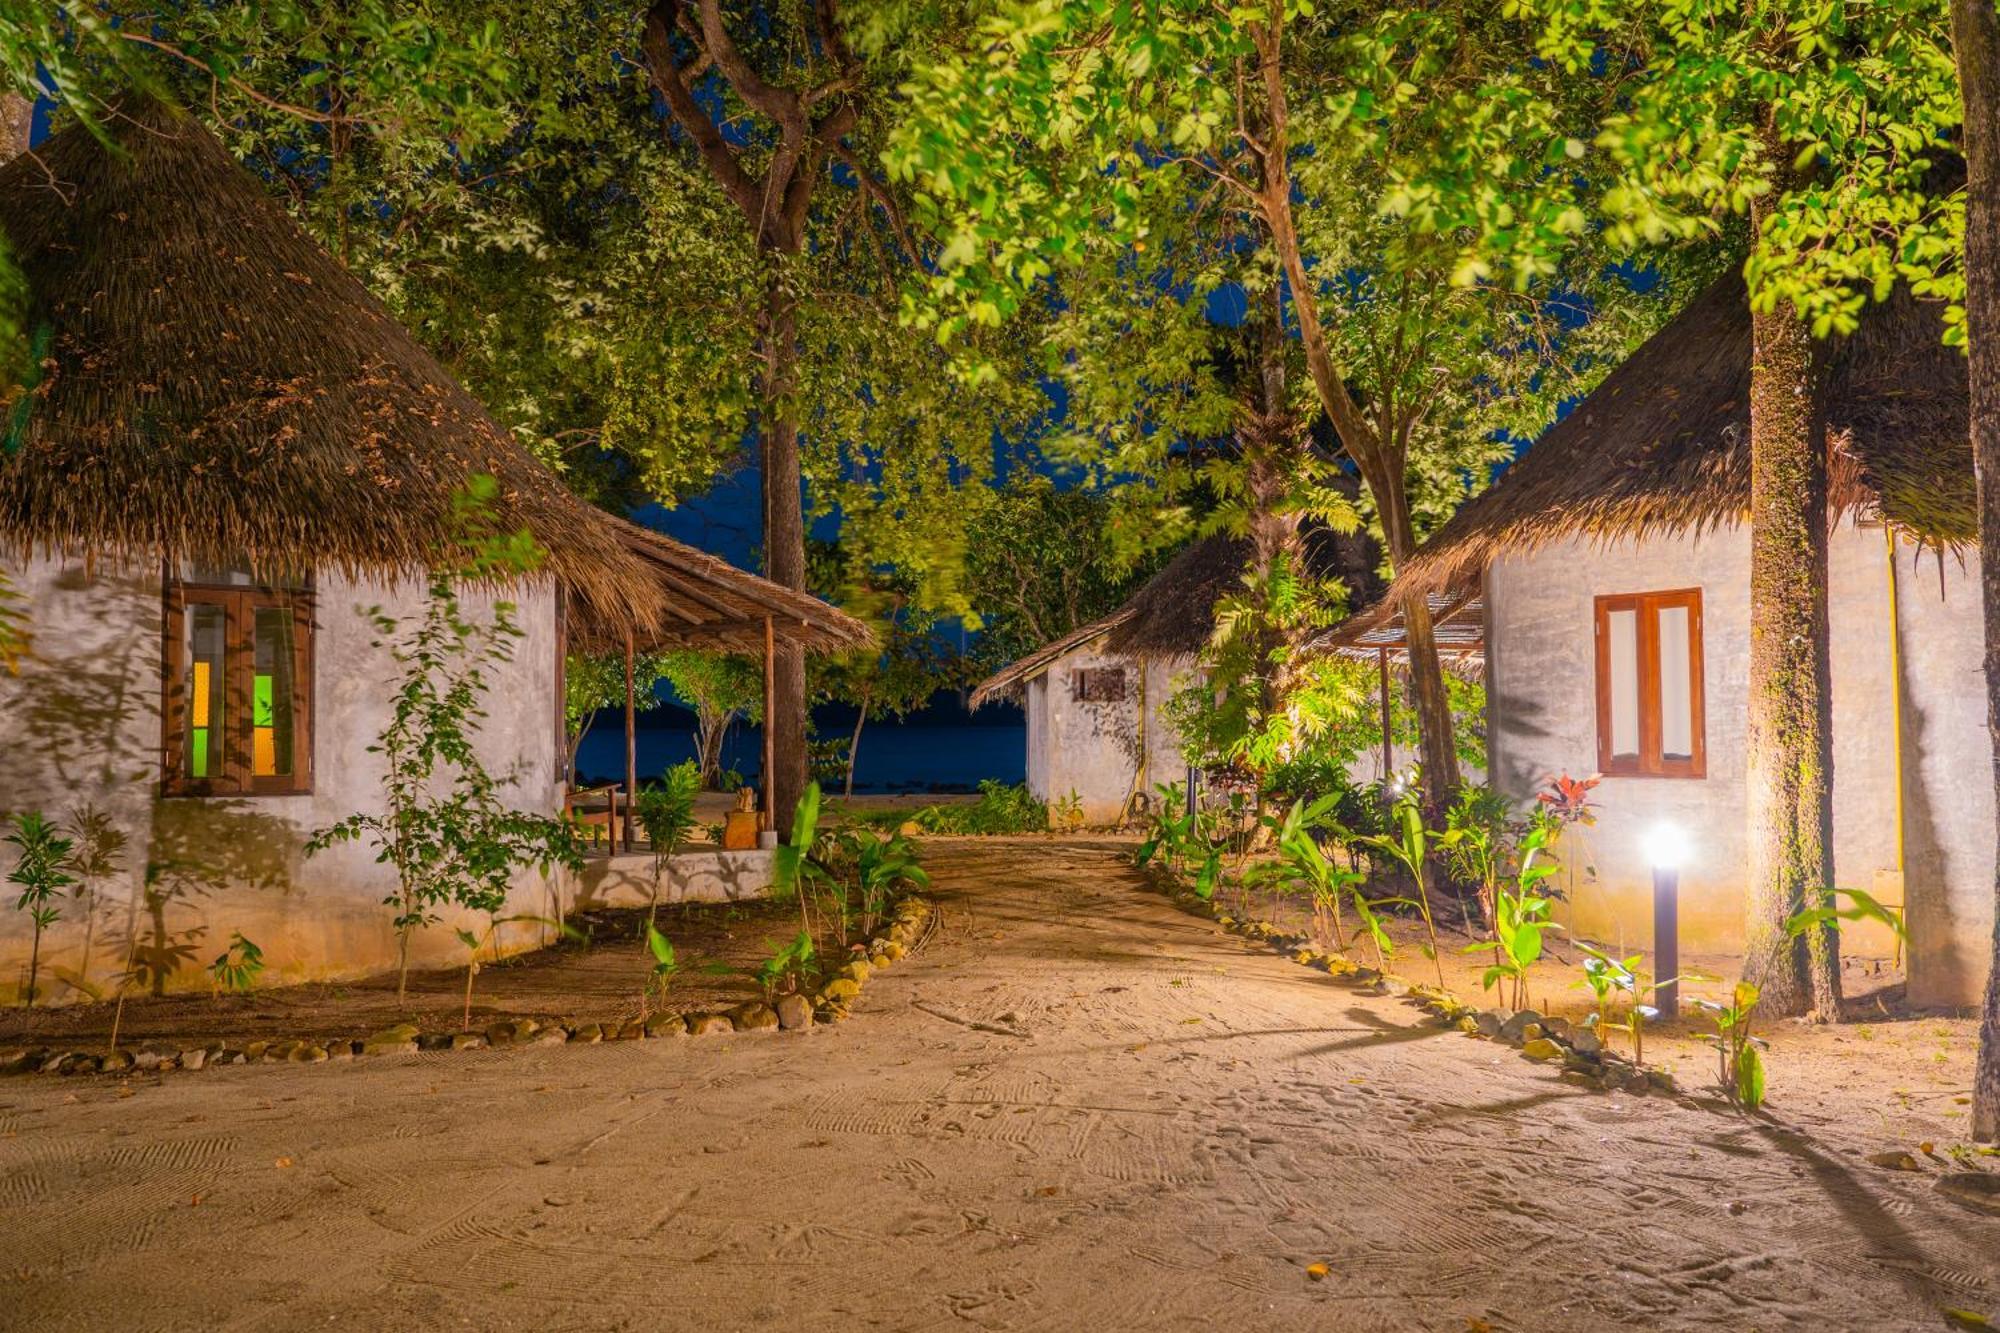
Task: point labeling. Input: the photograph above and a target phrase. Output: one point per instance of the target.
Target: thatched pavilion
(229, 449)
(1612, 565)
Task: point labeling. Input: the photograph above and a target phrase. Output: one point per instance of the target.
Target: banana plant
(1301, 859)
(797, 871)
(1409, 847)
(665, 967)
(1521, 915)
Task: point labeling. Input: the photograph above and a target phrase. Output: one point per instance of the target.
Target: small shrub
(999, 809)
(1739, 1067)
(236, 968)
(665, 967)
(666, 811)
(42, 870)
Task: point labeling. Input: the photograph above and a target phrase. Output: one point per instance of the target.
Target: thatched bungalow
(228, 451)
(1094, 697)
(1612, 561)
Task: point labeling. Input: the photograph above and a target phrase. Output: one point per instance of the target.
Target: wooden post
(1388, 747)
(631, 743)
(770, 739)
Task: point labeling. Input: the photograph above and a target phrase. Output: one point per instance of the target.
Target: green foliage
(1839, 114)
(1040, 561)
(881, 865)
(721, 688)
(791, 967)
(1605, 977)
(1861, 907)
(1408, 845)
(237, 968)
(1739, 1067)
(1521, 915)
(593, 682)
(443, 826)
(42, 870)
(665, 810)
(1303, 859)
(665, 966)
(490, 937)
(1000, 809)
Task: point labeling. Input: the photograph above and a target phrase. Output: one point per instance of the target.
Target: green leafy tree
(575, 204)
(1141, 160)
(443, 825)
(1822, 125)
(1040, 561)
(594, 682)
(722, 689)
(909, 662)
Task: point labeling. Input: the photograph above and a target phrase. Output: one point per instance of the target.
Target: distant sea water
(940, 749)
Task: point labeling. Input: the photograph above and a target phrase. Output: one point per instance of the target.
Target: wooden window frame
(240, 604)
(1650, 762)
(1079, 691)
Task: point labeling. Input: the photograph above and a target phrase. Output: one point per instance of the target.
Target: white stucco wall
(1094, 749)
(81, 724)
(1541, 681)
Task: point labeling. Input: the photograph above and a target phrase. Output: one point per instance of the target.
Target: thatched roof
(1664, 444)
(218, 388)
(1023, 669)
(712, 604)
(1173, 613)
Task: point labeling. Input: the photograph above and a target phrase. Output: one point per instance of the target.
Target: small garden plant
(236, 969)
(666, 811)
(664, 968)
(41, 869)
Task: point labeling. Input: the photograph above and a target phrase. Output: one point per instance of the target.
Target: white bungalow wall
(1093, 750)
(1542, 721)
(81, 724)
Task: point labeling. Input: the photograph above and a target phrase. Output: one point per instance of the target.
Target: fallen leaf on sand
(1048, 1191)
(1186, 1021)
(1967, 1319)
(284, 1162)
(1894, 1161)
(1473, 1325)
(1317, 1272)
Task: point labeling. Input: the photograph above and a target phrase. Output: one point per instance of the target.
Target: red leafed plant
(1568, 798)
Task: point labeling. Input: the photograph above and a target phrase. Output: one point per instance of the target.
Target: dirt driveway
(1076, 1109)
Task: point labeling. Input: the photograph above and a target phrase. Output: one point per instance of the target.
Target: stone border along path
(1585, 1061)
(910, 922)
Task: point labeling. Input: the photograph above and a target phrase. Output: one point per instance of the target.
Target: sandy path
(1181, 1127)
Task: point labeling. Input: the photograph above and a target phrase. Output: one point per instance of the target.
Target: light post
(1666, 848)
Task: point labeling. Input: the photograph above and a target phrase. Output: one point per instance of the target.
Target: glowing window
(1649, 685)
(237, 697)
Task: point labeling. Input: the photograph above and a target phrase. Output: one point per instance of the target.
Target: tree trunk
(854, 748)
(1436, 749)
(1384, 469)
(1790, 756)
(784, 540)
(17, 123)
(1976, 36)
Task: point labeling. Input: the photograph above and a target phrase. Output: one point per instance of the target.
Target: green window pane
(272, 698)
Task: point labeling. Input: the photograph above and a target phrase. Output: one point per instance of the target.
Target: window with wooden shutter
(237, 689)
(1649, 685)
(1098, 685)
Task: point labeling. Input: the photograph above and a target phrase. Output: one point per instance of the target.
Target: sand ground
(1153, 1126)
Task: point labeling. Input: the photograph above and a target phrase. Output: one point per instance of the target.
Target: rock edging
(1584, 1060)
(789, 1013)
